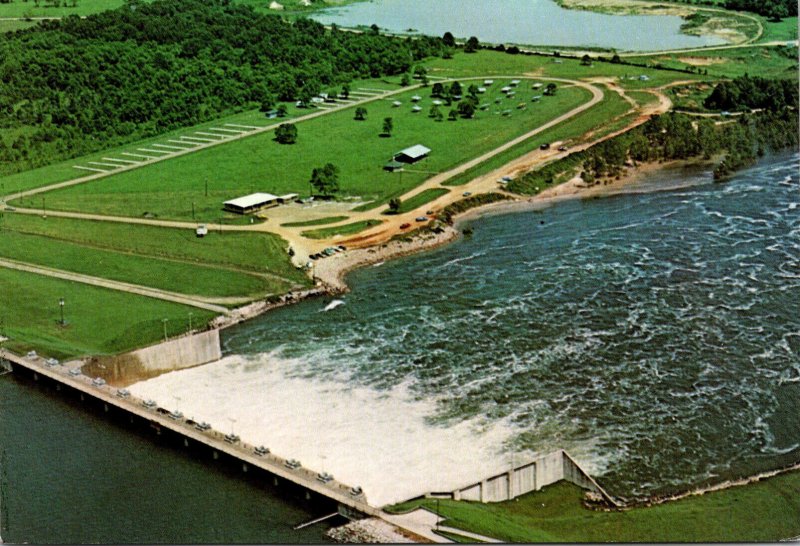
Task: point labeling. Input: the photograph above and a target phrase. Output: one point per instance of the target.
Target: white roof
(488, 82)
(417, 150)
(251, 200)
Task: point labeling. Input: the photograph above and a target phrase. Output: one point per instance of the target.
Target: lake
(532, 22)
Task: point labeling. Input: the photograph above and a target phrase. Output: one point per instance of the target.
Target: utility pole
(190, 322)
(61, 305)
(165, 328)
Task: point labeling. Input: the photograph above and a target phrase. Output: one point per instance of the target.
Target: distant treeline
(74, 86)
(774, 9)
(670, 137)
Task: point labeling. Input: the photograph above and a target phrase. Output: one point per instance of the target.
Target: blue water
(536, 22)
(657, 334)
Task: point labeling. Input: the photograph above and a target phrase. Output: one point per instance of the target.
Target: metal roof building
(412, 154)
(255, 202)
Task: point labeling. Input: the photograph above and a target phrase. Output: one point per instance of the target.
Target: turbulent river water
(655, 335)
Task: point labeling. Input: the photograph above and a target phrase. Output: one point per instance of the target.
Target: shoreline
(329, 273)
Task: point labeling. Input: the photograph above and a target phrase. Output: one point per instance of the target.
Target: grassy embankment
(347, 229)
(228, 264)
(99, 321)
(169, 189)
(765, 511)
(189, 264)
(422, 198)
(317, 222)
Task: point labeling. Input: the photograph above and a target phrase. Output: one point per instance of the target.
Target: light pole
(190, 322)
(165, 328)
(61, 305)
(232, 420)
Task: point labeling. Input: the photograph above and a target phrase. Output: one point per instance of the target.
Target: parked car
(405, 226)
(544, 146)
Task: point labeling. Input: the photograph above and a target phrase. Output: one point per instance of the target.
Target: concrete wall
(531, 476)
(175, 354)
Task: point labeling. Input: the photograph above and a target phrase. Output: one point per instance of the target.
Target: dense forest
(746, 92)
(77, 85)
(674, 136)
(774, 9)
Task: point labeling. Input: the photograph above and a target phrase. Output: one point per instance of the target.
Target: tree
(466, 108)
(437, 90)
(325, 180)
(434, 110)
(455, 90)
(453, 115)
(282, 111)
(472, 90)
(550, 89)
(472, 45)
(420, 71)
(388, 125)
(345, 91)
(405, 80)
(267, 102)
(286, 133)
(361, 114)
(615, 59)
(448, 39)
(394, 205)
(586, 60)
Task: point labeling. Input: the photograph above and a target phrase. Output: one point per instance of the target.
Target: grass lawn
(128, 320)
(169, 189)
(492, 62)
(347, 229)
(249, 252)
(765, 511)
(9, 26)
(175, 276)
(421, 198)
(766, 62)
(317, 222)
(612, 106)
(65, 170)
(786, 30)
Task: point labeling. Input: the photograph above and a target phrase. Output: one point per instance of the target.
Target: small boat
(74, 372)
(356, 491)
(52, 362)
(324, 477)
(231, 438)
(202, 426)
(175, 414)
(149, 403)
(261, 451)
(123, 393)
(333, 305)
(98, 381)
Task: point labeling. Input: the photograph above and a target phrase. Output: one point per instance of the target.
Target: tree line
(774, 9)
(75, 86)
(747, 92)
(669, 137)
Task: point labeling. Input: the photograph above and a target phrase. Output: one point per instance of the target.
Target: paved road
(174, 297)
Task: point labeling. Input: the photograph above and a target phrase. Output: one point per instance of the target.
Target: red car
(405, 226)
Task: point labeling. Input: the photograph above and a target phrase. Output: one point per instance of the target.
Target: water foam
(379, 440)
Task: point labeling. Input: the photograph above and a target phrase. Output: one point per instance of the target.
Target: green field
(612, 106)
(347, 229)
(175, 276)
(169, 189)
(786, 30)
(317, 222)
(99, 321)
(245, 252)
(422, 198)
(765, 62)
(9, 26)
(766, 511)
(491, 62)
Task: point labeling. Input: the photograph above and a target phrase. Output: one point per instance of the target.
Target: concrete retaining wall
(531, 476)
(175, 354)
